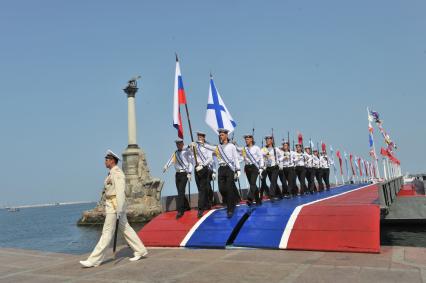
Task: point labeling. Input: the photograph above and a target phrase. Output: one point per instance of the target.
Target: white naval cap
(248, 136)
(199, 133)
(179, 141)
(110, 153)
(222, 130)
(268, 137)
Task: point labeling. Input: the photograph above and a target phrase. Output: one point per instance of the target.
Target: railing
(388, 191)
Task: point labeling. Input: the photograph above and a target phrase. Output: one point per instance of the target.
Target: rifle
(273, 146)
(288, 139)
(238, 179)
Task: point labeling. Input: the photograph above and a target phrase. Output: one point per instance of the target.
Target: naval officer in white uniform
(115, 208)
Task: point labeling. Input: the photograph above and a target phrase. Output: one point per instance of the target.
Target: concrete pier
(393, 264)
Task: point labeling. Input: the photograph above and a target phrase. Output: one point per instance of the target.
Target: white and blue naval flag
(218, 116)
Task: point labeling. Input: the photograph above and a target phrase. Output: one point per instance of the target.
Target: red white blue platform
(346, 218)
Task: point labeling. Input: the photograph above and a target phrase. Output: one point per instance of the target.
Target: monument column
(132, 152)
(143, 193)
(131, 90)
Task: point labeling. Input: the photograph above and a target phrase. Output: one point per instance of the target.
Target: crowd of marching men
(208, 162)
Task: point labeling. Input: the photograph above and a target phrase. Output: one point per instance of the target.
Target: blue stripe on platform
(265, 226)
(216, 230)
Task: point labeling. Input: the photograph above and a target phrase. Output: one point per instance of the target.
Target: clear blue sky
(312, 66)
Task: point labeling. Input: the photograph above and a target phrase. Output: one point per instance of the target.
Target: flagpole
(192, 140)
(384, 168)
(374, 147)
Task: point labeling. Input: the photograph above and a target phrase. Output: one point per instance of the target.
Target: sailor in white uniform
(317, 170)
(288, 174)
(325, 169)
(264, 188)
(203, 171)
(115, 208)
(310, 171)
(273, 157)
(254, 163)
(229, 170)
(299, 162)
(182, 160)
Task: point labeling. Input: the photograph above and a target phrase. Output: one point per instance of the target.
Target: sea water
(50, 228)
(54, 229)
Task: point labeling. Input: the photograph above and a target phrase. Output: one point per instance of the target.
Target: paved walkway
(393, 264)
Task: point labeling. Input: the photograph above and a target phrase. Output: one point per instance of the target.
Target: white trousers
(98, 254)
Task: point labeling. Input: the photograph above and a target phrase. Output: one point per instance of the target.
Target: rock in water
(143, 193)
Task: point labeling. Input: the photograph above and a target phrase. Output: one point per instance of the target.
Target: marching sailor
(288, 173)
(299, 162)
(203, 173)
(254, 163)
(273, 156)
(317, 170)
(310, 171)
(229, 169)
(263, 184)
(325, 169)
(182, 161)
(115, 209)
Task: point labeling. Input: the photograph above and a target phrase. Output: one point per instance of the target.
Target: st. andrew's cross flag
(218, 116)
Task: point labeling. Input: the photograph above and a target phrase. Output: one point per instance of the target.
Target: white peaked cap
(109, 152)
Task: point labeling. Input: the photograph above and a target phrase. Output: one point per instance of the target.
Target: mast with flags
(339, 156)
(346, 165)
(179, 98)
(333, 163)
(371, 141)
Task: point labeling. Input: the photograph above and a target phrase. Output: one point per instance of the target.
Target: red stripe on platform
(350, 222)
(167, 231)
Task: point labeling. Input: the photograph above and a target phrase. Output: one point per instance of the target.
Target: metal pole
(384, 169)
(192, 140)
(374, 150)
(189, 193)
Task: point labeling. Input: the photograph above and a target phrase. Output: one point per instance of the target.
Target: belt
(181, 171)
(223, 165)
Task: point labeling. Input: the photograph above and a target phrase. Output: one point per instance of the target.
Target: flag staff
(374, 147)
(192, 140)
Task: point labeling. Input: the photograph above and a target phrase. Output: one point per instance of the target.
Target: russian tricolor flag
(179, 99)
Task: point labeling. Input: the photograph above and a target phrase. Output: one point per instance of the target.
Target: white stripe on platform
(290, 223)
(192, 231)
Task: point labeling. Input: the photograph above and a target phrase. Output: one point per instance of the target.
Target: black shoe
(200, 213)
(179, 215)
(229, 214)
(249, 202)
(258, 203)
